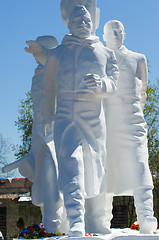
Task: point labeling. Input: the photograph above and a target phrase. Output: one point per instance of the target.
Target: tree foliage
(152, 118)
(24, 124)
(151, 113)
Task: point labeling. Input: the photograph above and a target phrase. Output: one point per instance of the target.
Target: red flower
(133, 226)
(31, 229)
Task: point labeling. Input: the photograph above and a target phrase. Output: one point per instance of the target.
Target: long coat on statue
(78, 108)
(127, 159)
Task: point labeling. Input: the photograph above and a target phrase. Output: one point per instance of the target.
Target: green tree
(151, 113)
(24, 124)
(152, 118)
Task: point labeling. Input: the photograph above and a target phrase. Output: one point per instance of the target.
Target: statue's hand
(34, 47)
(37, 50)
(93, 82)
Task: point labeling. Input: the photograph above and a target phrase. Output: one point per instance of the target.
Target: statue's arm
(109, 82)
(48, 99)
(39, 52)
(142, 73)
(104, 86)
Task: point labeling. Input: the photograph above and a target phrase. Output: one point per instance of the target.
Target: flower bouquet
(135, 226)
(35, 232)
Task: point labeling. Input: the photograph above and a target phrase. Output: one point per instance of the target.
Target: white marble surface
(117, 234)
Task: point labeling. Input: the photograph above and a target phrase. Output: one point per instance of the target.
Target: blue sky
(25, 20)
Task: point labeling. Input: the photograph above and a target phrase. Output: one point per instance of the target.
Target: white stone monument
(72, 92)
(79, 74)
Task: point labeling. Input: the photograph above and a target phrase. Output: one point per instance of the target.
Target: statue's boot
(99, 213)
(51, 216)
(74, 203)
(143, 199)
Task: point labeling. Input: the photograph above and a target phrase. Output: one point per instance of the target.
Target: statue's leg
(99, 213)
(143, 199)
(71, 177)
(52, 209)
(73, 194)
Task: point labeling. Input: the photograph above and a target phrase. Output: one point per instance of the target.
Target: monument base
(117, 234)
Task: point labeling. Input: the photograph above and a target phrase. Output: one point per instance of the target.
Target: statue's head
(67, 7)
(114, 34)
(80, 23)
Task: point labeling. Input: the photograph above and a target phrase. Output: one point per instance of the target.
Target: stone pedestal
(117, 234)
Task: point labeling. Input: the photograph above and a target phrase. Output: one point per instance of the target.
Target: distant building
(15, 203)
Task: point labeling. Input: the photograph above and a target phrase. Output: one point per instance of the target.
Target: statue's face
(114, 35)
(80, 24)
